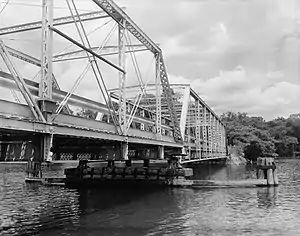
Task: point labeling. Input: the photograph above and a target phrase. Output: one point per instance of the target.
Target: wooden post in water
(276, 182)
(266, 169)
(260, 173)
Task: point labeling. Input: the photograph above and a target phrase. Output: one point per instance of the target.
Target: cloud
(240, 55)
(265, 95)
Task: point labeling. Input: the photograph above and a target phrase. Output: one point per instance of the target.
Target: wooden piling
(270, 179)
(276, 182)
(266, 169)
(260, 174)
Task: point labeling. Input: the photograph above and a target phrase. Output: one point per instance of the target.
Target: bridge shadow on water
(90, 210)
(223, 172)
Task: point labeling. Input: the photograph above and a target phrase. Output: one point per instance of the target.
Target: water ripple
(30, 209)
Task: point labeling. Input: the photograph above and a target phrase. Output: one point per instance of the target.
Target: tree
(256, 137)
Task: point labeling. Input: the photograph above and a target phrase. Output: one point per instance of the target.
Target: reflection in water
(221, 172)
(267, 197)
(30, 209)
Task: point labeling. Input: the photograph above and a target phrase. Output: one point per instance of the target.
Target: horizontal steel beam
(105, 51)
(57, 21)
(86, 49)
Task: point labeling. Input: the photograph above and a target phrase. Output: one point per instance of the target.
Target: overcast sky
(239, 55)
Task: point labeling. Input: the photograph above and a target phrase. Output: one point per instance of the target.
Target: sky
(238, 55)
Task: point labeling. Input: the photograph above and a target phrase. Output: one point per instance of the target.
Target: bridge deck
(18, 118)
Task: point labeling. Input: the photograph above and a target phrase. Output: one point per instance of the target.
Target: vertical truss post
(45, 86)
(218, 137)
(209, 134)
(45, 89)
(223, 141)
(221, 150)
(198, 129)
(215, 136)
(122, 77)
(184, 111)
(204, 132)
(158, 94)
(221, 145)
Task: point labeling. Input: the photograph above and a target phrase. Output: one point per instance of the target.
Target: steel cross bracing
(56, 21)
(21, 84)
(105, 51)
(34, 61)
(93, 62)
(122, 18)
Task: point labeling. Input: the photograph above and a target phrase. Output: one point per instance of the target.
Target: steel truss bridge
(140, 121)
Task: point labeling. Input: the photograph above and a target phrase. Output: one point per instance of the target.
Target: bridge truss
(128, 122)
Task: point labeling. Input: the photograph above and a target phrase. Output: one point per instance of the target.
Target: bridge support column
(46, 144)
(124, 151)
(3, 151)
(184, 150)
(161, 152)
(47, 107)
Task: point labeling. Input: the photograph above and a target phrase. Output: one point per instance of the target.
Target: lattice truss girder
(199, 121)
(120, 16)
(167, 106)
(203, 124)
(110, 10)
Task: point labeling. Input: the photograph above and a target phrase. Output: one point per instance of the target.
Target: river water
(29, 209)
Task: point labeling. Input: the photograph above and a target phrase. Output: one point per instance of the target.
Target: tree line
(254, 137)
